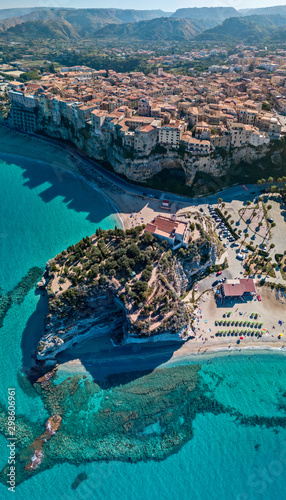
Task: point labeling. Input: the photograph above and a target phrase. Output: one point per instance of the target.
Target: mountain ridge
(217, 13)
(207, 23)
(167, 29)
(248, 28)
(155, 29)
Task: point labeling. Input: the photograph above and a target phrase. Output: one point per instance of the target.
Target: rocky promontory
(124, 284)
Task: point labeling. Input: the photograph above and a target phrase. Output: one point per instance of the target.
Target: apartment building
(144, 107)
(145, 139)
(171, 134)
(247, 134)
(196, 146)
(97, 119)
(247, 116)
(22, 116)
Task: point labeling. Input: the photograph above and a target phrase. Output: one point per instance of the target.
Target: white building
(171, 134)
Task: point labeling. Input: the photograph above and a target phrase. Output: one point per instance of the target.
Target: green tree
(266, 106)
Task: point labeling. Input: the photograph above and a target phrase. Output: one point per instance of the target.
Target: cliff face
(92, 312)
(107, 146)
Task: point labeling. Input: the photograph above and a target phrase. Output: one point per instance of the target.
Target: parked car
(240, 256)
(219, 273)
(215, 283)
(270, 220)
(259, 298)
(244, 250)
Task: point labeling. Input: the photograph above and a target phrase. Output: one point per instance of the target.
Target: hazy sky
(167, 5)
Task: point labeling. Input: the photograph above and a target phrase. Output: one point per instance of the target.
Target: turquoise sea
(237, 452)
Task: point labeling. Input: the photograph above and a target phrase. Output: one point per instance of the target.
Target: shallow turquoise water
(40, 215)
(225, 460)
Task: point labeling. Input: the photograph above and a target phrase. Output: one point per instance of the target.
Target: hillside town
(223, 109)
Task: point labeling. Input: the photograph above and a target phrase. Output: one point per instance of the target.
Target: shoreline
(129, 210)
(75, 174)
(76, 365)
(66, 164)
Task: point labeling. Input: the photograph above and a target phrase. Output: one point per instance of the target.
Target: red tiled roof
(238, 289)
(147, 128)
(165, 226)
(150, 228)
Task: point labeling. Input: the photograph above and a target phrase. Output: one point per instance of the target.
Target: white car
(240, 256)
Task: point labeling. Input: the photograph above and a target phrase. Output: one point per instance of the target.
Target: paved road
(229, 194)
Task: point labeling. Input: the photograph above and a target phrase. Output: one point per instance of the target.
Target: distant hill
(8, 13)
(87, 21)
(279, 10)
(249, 29)
(5, 24)
(206, 23)
(41, 30)
(278, 35)
(217, 14)
(167, 29)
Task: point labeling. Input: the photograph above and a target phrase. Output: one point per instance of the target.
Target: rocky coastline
(139, 167)
(123, 285)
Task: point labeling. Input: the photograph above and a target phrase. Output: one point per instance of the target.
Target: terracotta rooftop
(165, 226)
(236, 288)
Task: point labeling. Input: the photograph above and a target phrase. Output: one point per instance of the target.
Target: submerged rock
(78, 480)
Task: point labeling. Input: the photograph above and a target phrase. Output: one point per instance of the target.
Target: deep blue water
(41, 213)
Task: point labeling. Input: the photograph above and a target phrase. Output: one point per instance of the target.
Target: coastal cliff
(123, 284)
(139, 166)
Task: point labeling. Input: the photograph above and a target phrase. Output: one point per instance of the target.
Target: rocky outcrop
(94, 312)
(52, 425)
(107, 146)
(123, 285)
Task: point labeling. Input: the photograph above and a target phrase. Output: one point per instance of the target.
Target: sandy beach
(114, 361)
